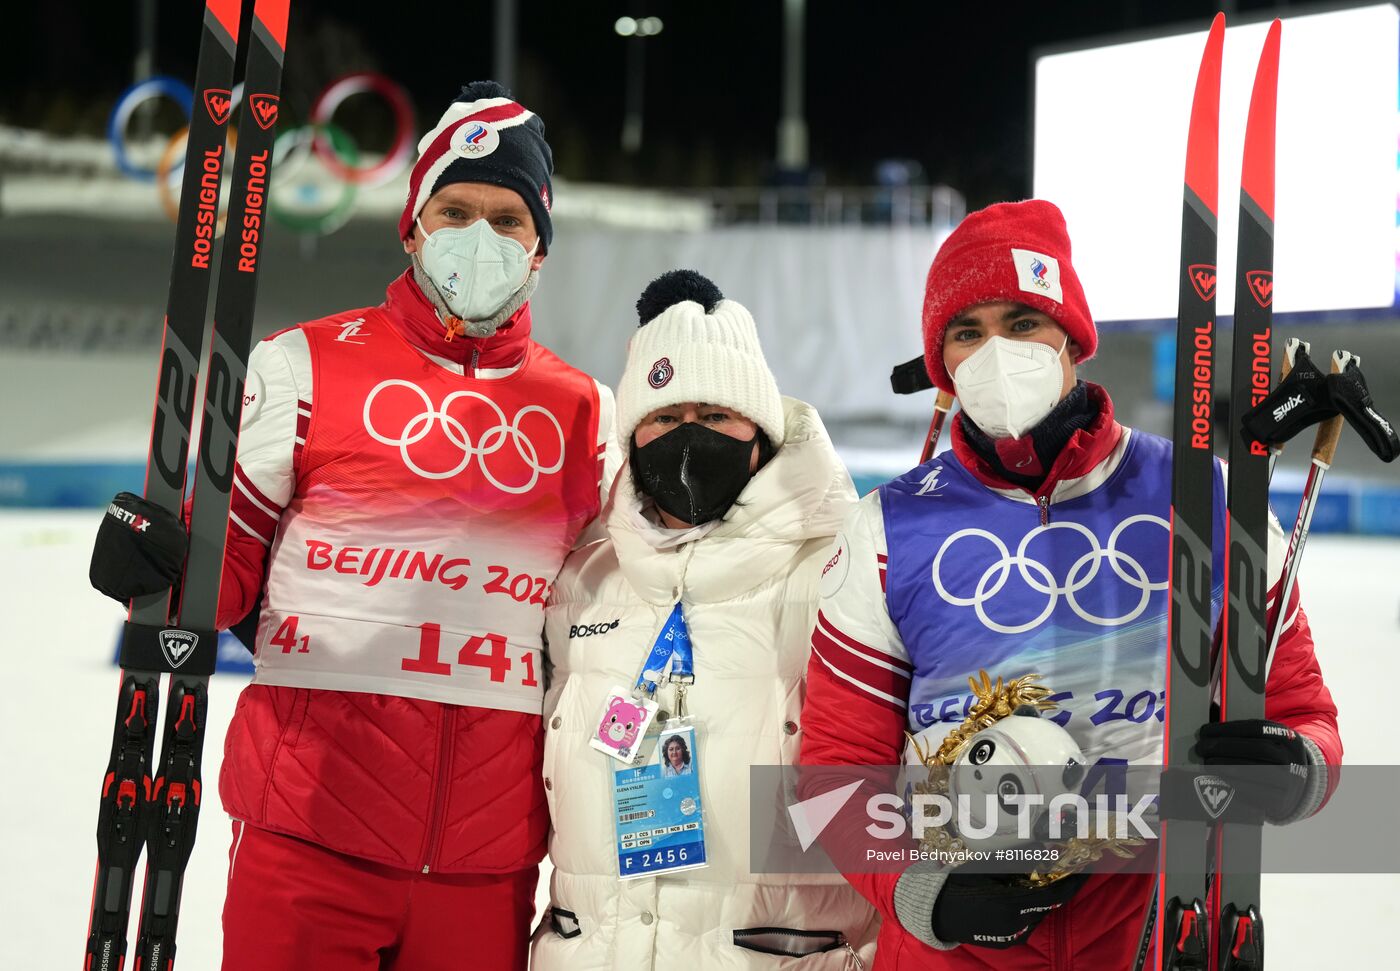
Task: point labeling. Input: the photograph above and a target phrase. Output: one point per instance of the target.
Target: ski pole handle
(1290, 349)
(941, 406)
(1330, 431)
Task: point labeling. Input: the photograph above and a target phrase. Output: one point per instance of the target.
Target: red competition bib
(431, 515)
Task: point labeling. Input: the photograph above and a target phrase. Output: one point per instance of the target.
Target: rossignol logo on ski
(1261, 286)
(1282, 410)
(1202, 380)
(1260, 376)
(253, 200)
(219, 103)
(1203, 278)
(1215, 794)
(264, 109)
(206, 215)
(177, 645)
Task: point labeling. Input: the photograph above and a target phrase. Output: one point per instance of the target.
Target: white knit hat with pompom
(694, 345)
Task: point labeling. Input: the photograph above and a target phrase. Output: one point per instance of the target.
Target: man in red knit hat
(410, 478)
(991, 556)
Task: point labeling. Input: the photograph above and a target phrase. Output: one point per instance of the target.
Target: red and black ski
(1238, 943)
(144, 799)
(1182, 939)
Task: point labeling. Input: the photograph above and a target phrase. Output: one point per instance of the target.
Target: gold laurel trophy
(995, 702)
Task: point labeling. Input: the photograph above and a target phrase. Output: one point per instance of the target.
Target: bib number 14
(487, 651)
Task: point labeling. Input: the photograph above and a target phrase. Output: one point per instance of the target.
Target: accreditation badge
(658, 818)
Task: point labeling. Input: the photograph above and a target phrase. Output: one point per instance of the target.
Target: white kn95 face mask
(474, 268)
(1007, 386)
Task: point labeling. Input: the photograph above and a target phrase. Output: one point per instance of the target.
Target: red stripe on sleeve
(836, 634)
(888, 686)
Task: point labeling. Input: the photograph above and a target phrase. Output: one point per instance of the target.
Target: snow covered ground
(58, 637)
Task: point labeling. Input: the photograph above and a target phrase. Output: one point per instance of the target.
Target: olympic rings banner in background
(321, 170)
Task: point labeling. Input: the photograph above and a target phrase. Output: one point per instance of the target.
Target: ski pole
(1323, 452)
(941, 406)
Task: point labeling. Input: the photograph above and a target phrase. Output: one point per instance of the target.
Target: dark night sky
(944, 83)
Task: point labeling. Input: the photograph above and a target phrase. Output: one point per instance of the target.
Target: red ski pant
(295, 906)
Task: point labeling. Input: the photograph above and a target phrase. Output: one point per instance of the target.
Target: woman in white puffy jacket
(726, 505)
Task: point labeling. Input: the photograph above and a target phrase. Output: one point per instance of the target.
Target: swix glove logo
(1203, 278)
(177, 645)
(1282, 410)
(661, 373)
(1261, 286)
(264, 109)
(1215, 794)
(219, 103)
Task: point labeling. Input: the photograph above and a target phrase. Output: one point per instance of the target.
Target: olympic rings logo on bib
(1039, 577)
(526, 460)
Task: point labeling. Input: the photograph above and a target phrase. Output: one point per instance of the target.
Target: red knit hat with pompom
(1016, 251)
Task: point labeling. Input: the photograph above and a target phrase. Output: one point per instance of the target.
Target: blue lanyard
(673, 646)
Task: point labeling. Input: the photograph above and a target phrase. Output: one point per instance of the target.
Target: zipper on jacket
(476, 356)
(1044, 503)
(1063, 956)
(442, 774)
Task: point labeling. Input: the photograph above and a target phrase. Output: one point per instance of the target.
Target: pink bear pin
(621, 724)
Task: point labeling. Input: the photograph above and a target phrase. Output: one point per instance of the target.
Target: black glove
(1274, 760)
(140, 549)
(1299, 400)
(1350, 396)
(986, 910)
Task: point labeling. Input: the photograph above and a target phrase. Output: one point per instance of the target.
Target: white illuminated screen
(1110, 151)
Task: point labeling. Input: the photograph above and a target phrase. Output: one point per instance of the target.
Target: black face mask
(695, 473)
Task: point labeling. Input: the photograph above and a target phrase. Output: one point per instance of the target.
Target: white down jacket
(749, 593)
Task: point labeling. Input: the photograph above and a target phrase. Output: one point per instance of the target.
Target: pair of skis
(1207, 895)
(145, 800)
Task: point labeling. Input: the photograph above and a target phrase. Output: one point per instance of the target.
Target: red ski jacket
(402, 502)
(858, 685)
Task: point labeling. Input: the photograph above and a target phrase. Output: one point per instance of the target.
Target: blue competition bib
(975, 580)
